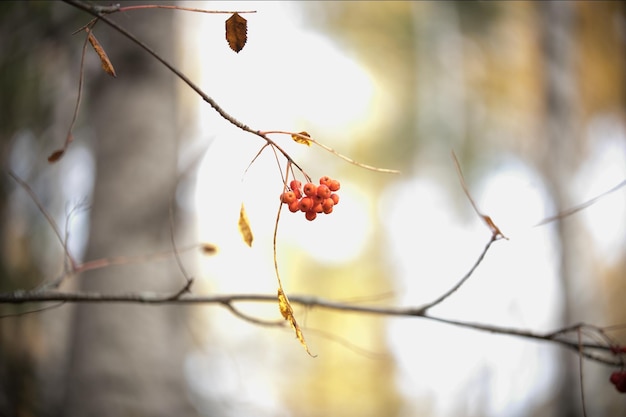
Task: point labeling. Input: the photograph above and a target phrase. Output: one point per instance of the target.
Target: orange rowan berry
(310, 189)
(295, 185)
(310, 215)
(323, 191)
(288, 197)
(306, 204)
(335, 198)
(298, 193)
(334, 185)
(294, 206)
(328, 210)
(328, 204)
(325, 180)
(318, 208)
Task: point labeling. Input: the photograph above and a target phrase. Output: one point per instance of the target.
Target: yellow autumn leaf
(287, 312)
(298, 138)
(244, 226)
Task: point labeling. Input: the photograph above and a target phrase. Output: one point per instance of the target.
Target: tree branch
(99, 14)
(606, 352)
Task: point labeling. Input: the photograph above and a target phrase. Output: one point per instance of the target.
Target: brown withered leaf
(287, 312)
(236, 32)
(104, 59)
(302, 140)
(244, 226)
(56, 155)
(208, 249)
(494, 229)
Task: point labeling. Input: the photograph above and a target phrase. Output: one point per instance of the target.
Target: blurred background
(530, 96)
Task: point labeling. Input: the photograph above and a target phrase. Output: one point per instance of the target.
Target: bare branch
(469, 273)
(492, 226)
(579, 207)
(187, 9)
(606, 355)
(331, 150)
(44, 212)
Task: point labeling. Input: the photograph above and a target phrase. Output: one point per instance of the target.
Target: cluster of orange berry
(312, 199)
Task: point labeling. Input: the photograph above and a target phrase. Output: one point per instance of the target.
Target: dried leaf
(287, 312)
(208, 249)
(244, 226)
(302, 140)
(104, 59)
(494, 229)
(236, 32)
(56, 155)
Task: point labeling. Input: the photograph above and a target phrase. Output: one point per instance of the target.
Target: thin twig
(44, 212)
(580, 370)
(579, 207)
(465, 277)
(179, 262)
(333, 151)
(36, 310)
(492, 226)
(187, 9)
(246, 317)
(125, 260)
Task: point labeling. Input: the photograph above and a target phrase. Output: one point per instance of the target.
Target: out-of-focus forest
(530, 96)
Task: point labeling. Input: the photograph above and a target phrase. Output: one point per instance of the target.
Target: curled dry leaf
(104, 59)
(236, 32)
(298, 138)
(287, 312)
(244, 226)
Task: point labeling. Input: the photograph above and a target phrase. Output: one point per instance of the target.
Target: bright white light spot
(514, 198)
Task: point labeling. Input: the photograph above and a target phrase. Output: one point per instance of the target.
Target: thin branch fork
(99, 14)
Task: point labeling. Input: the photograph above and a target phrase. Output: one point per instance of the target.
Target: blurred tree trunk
(559, 157)
(128, 359)
(31, 86)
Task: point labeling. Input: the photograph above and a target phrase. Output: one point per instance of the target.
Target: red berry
(288, 197)
(323, 191)
(310, 215)
(618, 349)
(335, 198)
(306, 204)
(318, 208)
(618, 378)
(310, 189)
(298, 193)
(334, 185)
